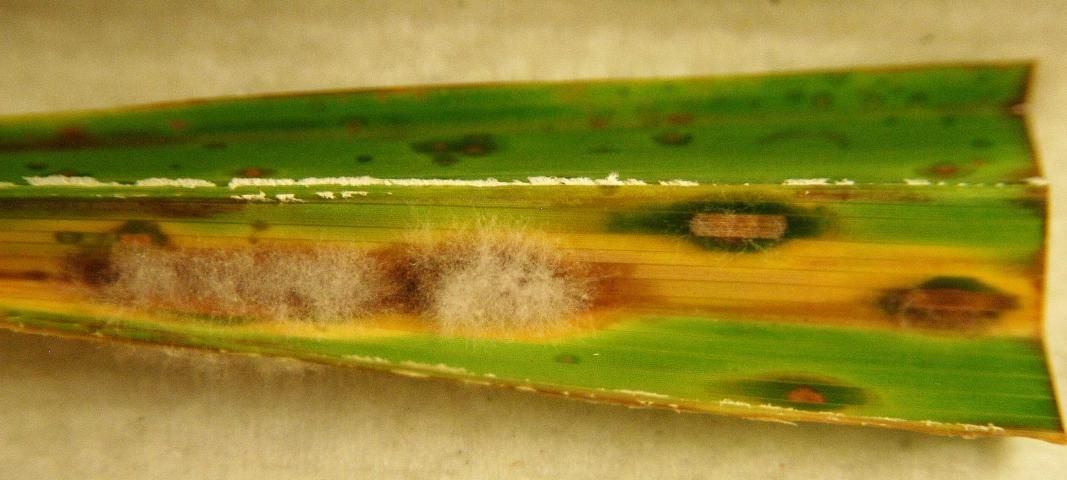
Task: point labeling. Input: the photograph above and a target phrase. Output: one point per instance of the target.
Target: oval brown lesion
(800, 392)
(947, 303)
(734, 225)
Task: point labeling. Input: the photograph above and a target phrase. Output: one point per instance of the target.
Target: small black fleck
(215, 145)
(36, 166)
(981, 143)
(673, 138)
(918, 97)
(260, 225)
(445, 159)
(364, 158)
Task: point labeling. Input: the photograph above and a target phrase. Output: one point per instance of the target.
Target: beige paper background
(75, 409)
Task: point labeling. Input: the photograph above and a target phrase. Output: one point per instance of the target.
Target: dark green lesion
(673, 138)
(801, 392)
(740, 225)
(141, 231)
(448, 151)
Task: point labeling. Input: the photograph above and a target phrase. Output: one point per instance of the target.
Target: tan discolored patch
(738, 226)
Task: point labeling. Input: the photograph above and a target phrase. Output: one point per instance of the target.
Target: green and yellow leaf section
(869, 241)
(946, 385)
(1006, 218)
(949, 123)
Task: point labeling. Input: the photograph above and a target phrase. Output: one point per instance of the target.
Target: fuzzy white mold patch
(319, 284)
(917, 182)
(484, 281)
(353, 193)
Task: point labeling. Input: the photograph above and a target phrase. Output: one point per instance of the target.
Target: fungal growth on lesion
(477, 281)
(319, 284)
(487, 281)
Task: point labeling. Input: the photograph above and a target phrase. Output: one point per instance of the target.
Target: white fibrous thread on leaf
(476, 281)
(484, 281)
(317, 284)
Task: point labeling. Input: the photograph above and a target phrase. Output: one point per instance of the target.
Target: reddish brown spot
(805, 394)
(31, 275)
(680, 118)
(178, 125)
(354, 126)
(979, 162)
(473, 149)
(599, 121)
(945, 170)
(73, 136)
(252, 172)
(92, 267)
(439, 147)
(567, 358)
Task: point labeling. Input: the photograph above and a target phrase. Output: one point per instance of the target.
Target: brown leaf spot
(673, 138)
(680, 118)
